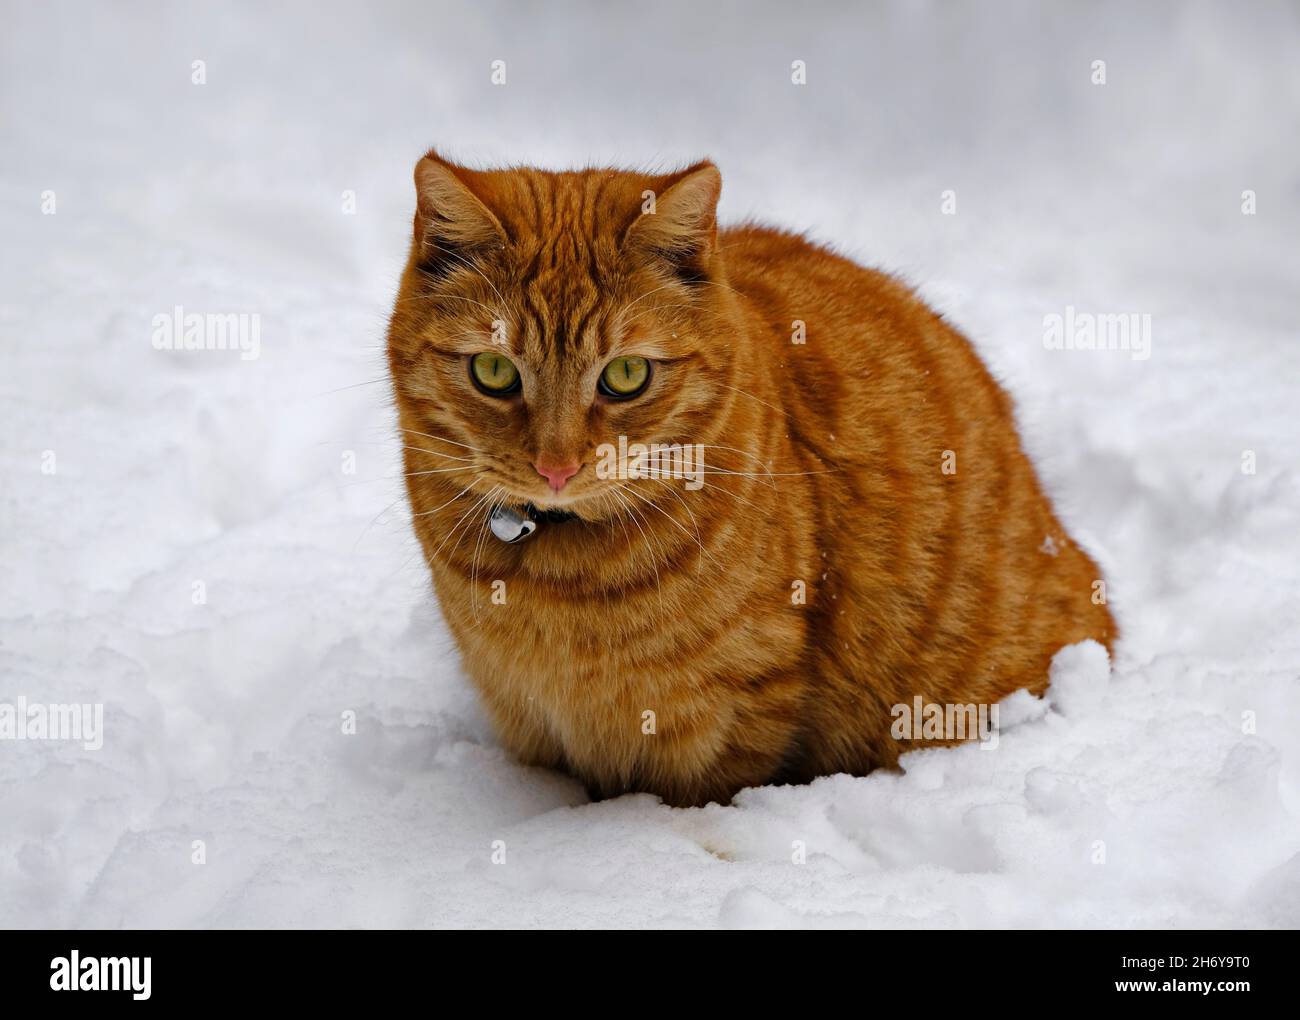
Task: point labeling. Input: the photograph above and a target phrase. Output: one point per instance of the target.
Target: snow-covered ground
(182, 543)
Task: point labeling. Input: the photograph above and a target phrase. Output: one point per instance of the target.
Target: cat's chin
(546, 513)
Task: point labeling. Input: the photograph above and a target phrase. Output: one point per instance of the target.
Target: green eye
(624, 377)
(494, 373)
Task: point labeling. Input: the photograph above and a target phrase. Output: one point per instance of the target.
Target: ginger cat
(865, 529)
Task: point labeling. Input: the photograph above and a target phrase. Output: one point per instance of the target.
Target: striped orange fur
(868, 529)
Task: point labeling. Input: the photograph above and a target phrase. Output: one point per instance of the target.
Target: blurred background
(246, 158)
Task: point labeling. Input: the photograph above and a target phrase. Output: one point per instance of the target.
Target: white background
(223, 719)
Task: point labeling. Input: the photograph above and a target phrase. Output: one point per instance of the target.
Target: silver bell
(510, 525)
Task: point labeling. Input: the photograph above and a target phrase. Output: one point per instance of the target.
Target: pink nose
(556, 474)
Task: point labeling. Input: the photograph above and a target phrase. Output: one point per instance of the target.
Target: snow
(1163, 793)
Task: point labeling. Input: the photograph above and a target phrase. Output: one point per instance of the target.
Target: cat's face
(543, 315)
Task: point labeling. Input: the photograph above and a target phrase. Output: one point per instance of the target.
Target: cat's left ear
(679, 219)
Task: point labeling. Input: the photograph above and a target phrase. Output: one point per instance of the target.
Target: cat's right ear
(680, 225)
(450, 220)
